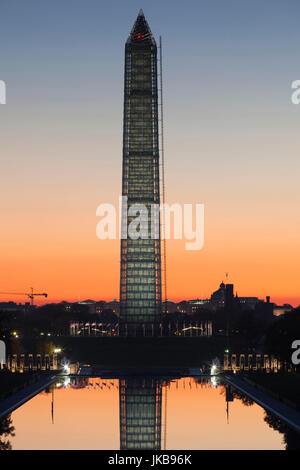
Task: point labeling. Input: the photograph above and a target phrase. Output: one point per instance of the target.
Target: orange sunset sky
(231, 142)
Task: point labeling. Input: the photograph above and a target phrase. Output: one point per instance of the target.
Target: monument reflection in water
(140, 413)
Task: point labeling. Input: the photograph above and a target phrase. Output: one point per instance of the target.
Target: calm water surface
(185, 413)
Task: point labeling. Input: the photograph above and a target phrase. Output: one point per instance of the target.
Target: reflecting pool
(143, 412)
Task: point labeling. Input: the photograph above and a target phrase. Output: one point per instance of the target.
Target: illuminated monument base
(140, 330)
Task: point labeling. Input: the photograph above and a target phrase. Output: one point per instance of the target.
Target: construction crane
(31, 295)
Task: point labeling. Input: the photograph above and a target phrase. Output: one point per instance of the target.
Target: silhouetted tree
(250, 327)
(5, 321)
(281, 334)
(242, 397)
(291, 437)
(6, 429)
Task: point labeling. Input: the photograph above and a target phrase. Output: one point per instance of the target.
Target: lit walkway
(19, 398)
(286, 413)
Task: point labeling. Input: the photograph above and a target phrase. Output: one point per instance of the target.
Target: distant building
(223, 297)
(248, 303)
(197, 304)
(89, 304)
(184, 307)
(114, 305)
(282, 309)
(171, 306)
(13, 307)
(95, 307)
(67, 306)
(265, 310)
(100, 306)
(218, 297)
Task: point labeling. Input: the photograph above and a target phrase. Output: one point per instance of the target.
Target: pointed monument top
(141, 32)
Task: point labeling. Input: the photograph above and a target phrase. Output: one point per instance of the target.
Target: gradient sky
(231, 142)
